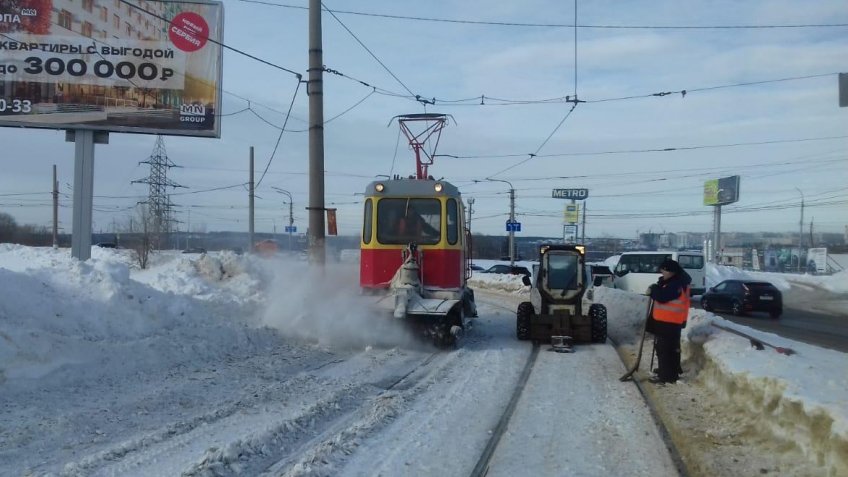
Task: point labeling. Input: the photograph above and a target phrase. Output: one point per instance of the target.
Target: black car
(506, 269)
(743, 296)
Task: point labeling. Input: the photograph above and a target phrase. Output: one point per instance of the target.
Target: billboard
(721, 191)
(112, 66)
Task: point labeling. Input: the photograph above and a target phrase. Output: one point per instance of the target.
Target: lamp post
(800, 229)
(511, 220)
(291, 210)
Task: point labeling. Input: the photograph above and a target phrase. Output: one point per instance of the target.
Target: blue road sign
(291, 229)
(513, 226)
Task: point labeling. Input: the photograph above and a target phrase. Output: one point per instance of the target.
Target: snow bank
(799, 399)
(57, 312)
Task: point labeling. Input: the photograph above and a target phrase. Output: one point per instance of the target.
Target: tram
(415, 250)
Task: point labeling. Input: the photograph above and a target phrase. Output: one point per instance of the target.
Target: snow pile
(799, 398)
(57, 312)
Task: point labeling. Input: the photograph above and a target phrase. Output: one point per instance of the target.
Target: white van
(636, 271)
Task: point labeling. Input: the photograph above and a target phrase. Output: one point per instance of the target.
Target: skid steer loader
(561, 309)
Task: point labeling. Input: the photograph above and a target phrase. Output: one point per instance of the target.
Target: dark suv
(742, 296)
(506, 269)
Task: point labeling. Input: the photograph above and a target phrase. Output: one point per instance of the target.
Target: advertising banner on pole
(817, 260)
(572, 213)
(721, 191)
(569, 233)
(332, 228)
(138, 67)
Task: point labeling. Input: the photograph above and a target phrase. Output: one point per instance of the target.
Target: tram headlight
(379, 187)
(438, 186)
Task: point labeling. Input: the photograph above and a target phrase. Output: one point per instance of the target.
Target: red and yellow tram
(415, 247)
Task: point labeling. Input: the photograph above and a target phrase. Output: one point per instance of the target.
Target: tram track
(341, 434)
(482, 466)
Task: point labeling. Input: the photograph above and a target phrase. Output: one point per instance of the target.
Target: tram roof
(411, 187)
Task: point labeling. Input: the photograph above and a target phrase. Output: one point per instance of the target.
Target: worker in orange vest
(671, 310)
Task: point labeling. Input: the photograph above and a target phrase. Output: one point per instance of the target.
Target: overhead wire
(219, 43)
(279, 137)
(556, 25)
(368, 50)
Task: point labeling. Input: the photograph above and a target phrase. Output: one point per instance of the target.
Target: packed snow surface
(222, 364)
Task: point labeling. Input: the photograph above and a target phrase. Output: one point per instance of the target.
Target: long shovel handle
(629, 373)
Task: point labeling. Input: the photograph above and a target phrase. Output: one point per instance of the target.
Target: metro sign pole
(572, 210)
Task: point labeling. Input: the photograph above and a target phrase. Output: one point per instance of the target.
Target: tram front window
(400, 221)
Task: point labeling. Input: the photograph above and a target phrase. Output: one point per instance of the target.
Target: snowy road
(236, 365)
(281, 409)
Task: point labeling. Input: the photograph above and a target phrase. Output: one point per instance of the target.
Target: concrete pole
(717, 232)
(583, 232)
(55, 209)
(315, 89)
(291, 221)
(800, 229)
(512, 227)
(83, 192)
(250, 207)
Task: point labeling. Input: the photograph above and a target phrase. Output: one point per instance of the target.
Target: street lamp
(800, 230)
(291, 211)
(511, 220)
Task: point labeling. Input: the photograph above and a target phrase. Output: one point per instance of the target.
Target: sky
(784, 135)
(203, 361)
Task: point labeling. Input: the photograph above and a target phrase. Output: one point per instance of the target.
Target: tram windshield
(404, 220)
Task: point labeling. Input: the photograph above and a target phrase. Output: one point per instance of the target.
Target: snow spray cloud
(326, 307)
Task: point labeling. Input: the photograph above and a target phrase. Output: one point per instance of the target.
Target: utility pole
(800, 229)
(291, 213)
(315, 90)
(812, 243)
(55, 209)
(188, 229)
(717, 237)
(512, 227)
(511, 221)
(583, 236)
(470, 212)
(250, 206)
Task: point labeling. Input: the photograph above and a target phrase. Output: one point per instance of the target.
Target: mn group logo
(192, 113)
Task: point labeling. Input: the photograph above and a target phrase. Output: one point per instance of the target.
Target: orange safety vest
(675, 311)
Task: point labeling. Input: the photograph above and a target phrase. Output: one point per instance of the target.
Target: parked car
(599, 271)
(477, 268)
(743, 296)
(506, 269)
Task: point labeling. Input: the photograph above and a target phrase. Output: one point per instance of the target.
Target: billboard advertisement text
(112, 66)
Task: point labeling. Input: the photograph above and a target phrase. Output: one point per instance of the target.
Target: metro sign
(576, 194)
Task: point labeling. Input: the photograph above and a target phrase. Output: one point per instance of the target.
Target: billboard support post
(717, 237)
(84, 141)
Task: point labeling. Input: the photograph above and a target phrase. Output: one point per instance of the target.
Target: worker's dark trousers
(667, 336)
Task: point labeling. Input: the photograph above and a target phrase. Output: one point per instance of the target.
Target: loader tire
(522, 320)
(598, 316)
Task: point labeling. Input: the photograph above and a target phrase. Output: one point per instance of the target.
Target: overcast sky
(784, 138)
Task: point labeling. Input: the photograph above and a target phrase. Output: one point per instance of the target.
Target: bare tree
(8, 227)
(145, 229)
